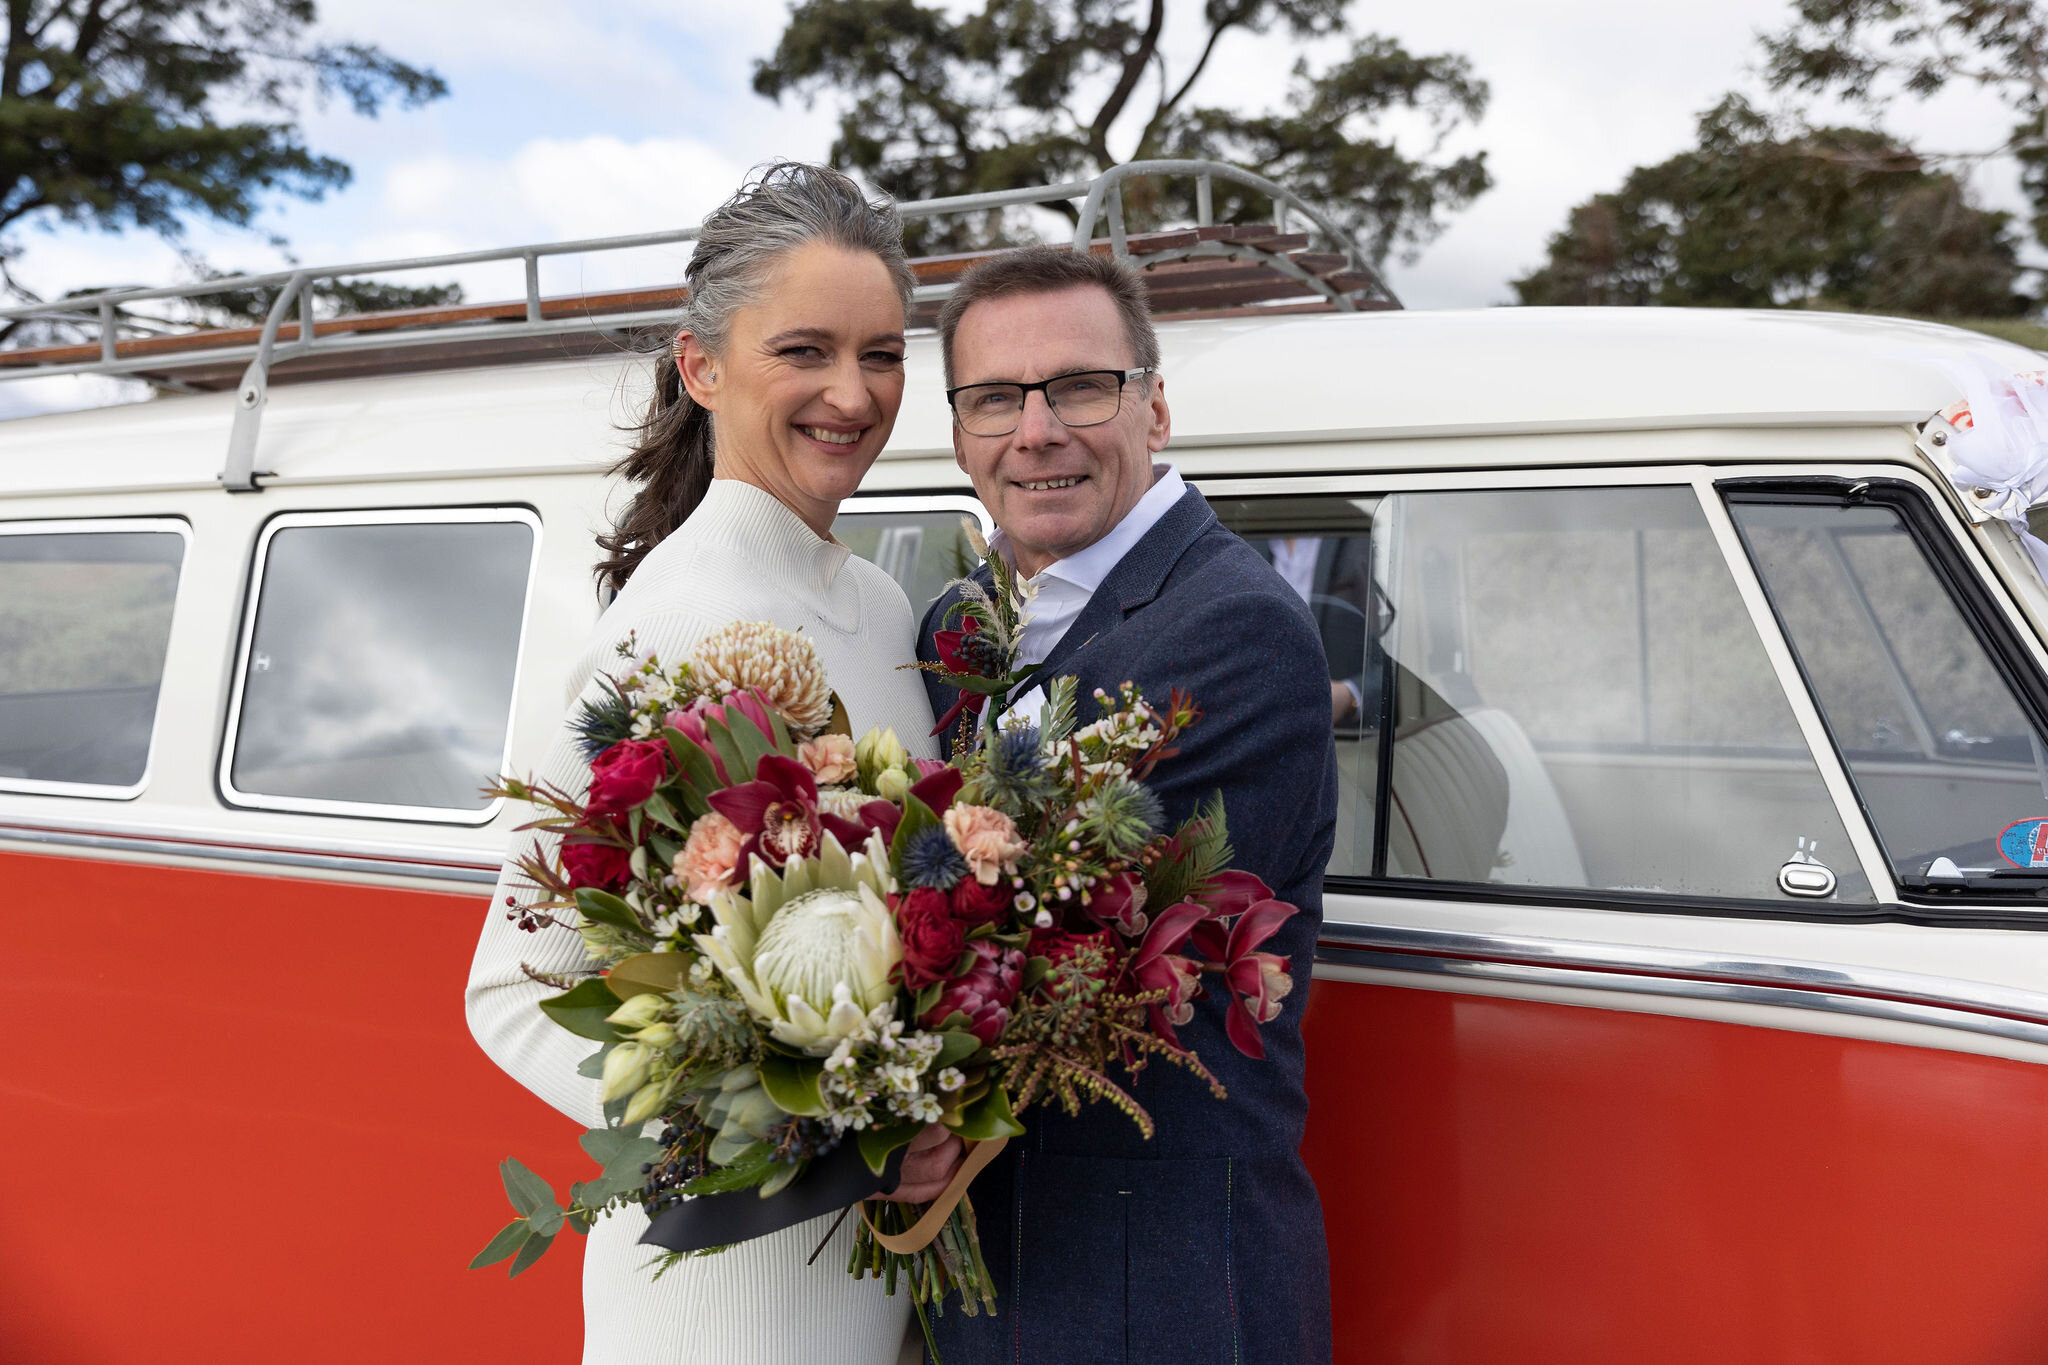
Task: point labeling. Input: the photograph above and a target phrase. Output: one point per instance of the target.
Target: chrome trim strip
(1891, 1011)
(1836, 988)
(473, 874)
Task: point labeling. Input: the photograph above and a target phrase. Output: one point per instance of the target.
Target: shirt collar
(1086, 568)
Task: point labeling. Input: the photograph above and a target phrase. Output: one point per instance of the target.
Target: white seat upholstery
(1473, 803)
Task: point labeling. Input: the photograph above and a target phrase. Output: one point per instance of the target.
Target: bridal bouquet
(803, 949)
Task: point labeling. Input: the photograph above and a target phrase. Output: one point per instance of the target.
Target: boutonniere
(982, 633)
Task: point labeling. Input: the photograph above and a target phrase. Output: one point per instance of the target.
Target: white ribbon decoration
(1996, 450)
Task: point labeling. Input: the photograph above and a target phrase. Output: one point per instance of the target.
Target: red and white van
(1682, 995)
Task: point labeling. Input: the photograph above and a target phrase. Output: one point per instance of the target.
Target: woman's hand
(928, 1166)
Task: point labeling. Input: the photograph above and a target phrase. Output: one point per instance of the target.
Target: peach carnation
(986, 839)
(709, 862)
(829, 757)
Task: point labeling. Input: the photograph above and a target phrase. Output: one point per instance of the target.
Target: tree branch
(1135, 63)
(1167, 106)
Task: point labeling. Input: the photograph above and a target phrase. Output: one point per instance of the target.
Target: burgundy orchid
(1258, 981)
(777, 811)
(1159, 966)
(1119, 903)
(877, 816)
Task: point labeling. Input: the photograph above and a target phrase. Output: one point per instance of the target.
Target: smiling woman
(782, 388)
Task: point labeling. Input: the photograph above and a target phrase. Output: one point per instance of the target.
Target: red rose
(975, 904)
(626, 774)
(932, 939)
(604, 866)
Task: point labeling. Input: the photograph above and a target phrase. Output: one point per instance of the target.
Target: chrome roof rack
(1204, 268)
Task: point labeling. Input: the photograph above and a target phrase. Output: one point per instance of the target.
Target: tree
(1874, 52)
(1765, 214)
(1022, 92)
(114, 113)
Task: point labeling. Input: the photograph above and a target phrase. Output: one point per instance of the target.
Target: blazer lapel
(1135, 580)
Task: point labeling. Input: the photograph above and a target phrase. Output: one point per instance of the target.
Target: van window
(916, 541)
(85, 622)
(378, 664)
(1555, 688)
(1942, 754)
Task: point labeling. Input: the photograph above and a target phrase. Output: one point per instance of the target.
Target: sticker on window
(2024, 843)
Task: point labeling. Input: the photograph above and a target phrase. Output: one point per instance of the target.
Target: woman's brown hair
(787, 205)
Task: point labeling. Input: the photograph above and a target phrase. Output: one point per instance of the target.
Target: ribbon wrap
(1993, 445)
(919, 1235)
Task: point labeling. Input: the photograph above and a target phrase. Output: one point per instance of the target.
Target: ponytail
(671, 460)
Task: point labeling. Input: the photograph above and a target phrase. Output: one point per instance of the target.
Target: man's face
(1054, 489)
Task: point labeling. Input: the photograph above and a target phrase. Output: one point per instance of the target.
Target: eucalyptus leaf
(647, 974)
(664, 849)
(593, 1065)
(582, 1010)
(1035, 972)
(602, 907)
(528, 1254)
(508, 1241)
(546, 1221)
(928, 999)
(526, 1190)
(793, 1084)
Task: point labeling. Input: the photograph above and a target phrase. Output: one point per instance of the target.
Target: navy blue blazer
(1205, 1244)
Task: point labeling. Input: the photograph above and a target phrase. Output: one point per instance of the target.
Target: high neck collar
(767, 534)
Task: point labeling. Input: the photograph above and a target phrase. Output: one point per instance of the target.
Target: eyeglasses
(1078, 400)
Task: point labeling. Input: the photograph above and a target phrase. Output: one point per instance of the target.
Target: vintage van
(1681, 998)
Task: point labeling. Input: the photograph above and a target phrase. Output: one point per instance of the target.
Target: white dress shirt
(1065, 585)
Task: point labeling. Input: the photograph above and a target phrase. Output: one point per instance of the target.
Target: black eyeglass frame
(1044, 386)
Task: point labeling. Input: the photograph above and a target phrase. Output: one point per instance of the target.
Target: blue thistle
(602, 723)
(1016, 753)
(930, 859)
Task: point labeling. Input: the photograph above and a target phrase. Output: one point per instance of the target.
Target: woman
(786, 379)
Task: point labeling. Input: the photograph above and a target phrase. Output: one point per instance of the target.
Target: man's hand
(928, 1166)
(1340, 702)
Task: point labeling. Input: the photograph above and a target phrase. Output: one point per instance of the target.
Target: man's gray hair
(1048, 270)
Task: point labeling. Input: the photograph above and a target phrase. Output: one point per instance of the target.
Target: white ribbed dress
(742, 555)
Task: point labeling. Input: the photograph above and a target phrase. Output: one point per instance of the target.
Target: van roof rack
(1203, 270)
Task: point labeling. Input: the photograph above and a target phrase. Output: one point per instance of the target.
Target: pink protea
(984, 993)
(690, 722)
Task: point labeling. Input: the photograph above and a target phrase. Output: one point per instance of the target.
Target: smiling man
(1205, 1243)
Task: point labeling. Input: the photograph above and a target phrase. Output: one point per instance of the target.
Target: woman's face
(808, 388)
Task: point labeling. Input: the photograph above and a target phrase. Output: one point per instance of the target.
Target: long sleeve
(502, 1001)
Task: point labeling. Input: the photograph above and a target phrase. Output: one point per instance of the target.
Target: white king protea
(810, 949)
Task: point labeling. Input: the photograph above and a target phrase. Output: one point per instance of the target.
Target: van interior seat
(1472, 802)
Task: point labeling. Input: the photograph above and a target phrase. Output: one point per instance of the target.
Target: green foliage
(151, 112)
(1764, 213)
(945, 100)
(712, 1030)
(752, 1167)
(1199, 851)
(1870, 53)
(582, 1010)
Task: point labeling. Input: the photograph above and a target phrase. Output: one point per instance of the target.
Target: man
(1206, 1243)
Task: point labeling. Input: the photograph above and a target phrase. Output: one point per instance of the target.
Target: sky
(569, 120)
